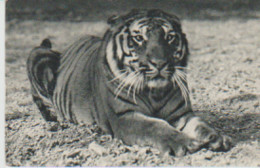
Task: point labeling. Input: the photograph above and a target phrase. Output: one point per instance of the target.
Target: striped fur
(132, 82)
(41, 68)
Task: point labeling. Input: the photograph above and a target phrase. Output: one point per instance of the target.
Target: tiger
(132, 83)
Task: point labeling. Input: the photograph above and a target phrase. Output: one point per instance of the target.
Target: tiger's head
(147, 49)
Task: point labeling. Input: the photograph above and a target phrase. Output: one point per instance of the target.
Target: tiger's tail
(42, 66)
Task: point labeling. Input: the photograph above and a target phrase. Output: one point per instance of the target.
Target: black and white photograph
(111, 83)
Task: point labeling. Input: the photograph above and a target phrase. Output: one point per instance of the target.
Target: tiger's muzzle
(157, 69)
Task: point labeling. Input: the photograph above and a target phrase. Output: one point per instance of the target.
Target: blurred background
(92, 10)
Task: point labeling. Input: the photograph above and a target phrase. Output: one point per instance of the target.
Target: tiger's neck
(158, 94)
(159, 97)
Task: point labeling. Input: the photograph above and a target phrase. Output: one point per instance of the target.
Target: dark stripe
(144, 25)
(66, 57)
(120, 97)
(65, 98)
(74, 51)
(179, 111)
(68, 73)
(145, 22)
(115, 47)
(69, 104)
(56, 102)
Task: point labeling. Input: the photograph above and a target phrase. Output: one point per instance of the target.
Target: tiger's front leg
(136, 128)
(194, 127)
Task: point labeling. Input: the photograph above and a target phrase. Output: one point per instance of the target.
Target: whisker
(141, 69)
(132, 82)
(181, 75)
(142, 84)
(174, 81)
(185, 92)
(134, 91)
(138, 86)
(130, 87)
(181, 71)
(122, 70)
(167, 72)
(139, 83)
(149, 72)
(117, 77)
(183, 88)
(123, 84)
(181, 67)
(129, 79)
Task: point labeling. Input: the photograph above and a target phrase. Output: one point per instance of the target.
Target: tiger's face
(154, 48)
(148, 52)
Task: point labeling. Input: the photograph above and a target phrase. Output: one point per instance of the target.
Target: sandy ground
(224, 80)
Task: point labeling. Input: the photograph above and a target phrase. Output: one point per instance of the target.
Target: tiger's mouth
(158, 83)
(156, 78)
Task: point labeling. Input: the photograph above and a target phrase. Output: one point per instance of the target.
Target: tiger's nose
(158, 63)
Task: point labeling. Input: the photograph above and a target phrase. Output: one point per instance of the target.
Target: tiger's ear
(182, 51)
(113, 20)
(185, 44)
(173, 19)
(133, 14)
(185, 50)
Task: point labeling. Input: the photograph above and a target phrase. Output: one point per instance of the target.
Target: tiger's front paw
(220, 143)
(197, 129)
(177, 144)
(212, 140)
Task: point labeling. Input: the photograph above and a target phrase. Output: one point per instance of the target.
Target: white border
(2, 83)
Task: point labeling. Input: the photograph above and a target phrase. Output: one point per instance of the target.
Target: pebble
(98, 149)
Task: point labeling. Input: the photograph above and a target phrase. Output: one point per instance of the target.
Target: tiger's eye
(170, 37)
(138, 38)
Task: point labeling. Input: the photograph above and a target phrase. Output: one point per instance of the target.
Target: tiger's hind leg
(197, 129)
(42, 66)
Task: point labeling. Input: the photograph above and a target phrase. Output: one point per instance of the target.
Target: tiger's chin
(158, 83)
